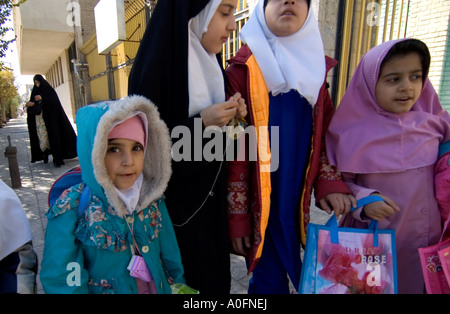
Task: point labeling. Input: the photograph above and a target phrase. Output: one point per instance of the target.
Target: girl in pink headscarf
(385, 138)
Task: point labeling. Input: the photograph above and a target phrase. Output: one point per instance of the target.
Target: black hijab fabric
(61, 136)
(160, 73)
(36, 152)
(160, 70)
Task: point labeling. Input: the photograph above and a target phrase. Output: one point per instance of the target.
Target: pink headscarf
(132, 129)
(364, 138)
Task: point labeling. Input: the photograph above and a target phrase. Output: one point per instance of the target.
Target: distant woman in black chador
(61, 136)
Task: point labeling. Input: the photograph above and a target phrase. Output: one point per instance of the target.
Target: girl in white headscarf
(177, 68)
(281, 73)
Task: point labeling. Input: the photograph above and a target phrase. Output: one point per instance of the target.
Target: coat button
(145, 249)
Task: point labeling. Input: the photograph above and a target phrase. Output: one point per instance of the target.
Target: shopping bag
(432, 268)
(444, 256)
(349, 260)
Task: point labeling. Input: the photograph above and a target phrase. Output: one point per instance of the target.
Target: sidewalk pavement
(37, 178)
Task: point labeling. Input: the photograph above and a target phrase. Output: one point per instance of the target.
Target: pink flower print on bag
(349, 260)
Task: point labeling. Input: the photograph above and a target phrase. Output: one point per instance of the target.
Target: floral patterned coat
(90, 253)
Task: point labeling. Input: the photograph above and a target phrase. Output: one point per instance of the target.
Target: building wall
(122, 72)
(326, 14)
(87, 18)
(97, 65)
(444, 92)
(429, 22)
(424, 20)
(65, 90)
(120, 58)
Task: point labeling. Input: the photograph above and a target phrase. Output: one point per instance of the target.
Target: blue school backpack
(65, 181)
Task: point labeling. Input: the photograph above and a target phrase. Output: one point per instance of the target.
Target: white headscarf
(14, 227)
(292, 62)
(206, 83)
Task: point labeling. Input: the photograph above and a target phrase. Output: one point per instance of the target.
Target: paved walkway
(37, 179)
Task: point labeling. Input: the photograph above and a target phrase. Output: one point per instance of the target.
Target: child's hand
(340, 203)
(241, 245)
(380, 210)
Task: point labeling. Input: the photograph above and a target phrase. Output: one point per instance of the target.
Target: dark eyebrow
(230, 6)
(396, 73)
(113, 141)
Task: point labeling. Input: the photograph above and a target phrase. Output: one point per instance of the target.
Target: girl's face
(37, 83)
(220, 27)
(286, 17)
(400, 83)
(124, 162)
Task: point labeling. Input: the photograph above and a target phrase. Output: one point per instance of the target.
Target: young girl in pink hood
(385, 138)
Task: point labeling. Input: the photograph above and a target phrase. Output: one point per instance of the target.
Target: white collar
(292, 62)
(206, 83)
(14, 226)
(130, 197)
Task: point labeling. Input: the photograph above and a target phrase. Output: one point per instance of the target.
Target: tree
(6, 7)
(8, 91)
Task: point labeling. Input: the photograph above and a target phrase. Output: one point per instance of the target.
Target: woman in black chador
(36, 153)
(176, 67)
(61, 136)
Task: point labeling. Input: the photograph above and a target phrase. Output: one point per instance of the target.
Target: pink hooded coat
(393, 154)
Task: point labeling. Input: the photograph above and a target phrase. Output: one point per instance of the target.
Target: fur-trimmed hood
(94, 123)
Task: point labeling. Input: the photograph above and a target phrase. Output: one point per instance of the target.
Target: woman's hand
(340, 203)
(30, 104)
(37, 97)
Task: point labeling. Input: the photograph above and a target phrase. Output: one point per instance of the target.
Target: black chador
(196, 194)
(61, 136)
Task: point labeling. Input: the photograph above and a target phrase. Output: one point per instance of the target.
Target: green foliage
(12, 107)
(8, 91)
(6, 7)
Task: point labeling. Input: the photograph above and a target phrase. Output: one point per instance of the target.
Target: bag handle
(333, 225)
(443, 149)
